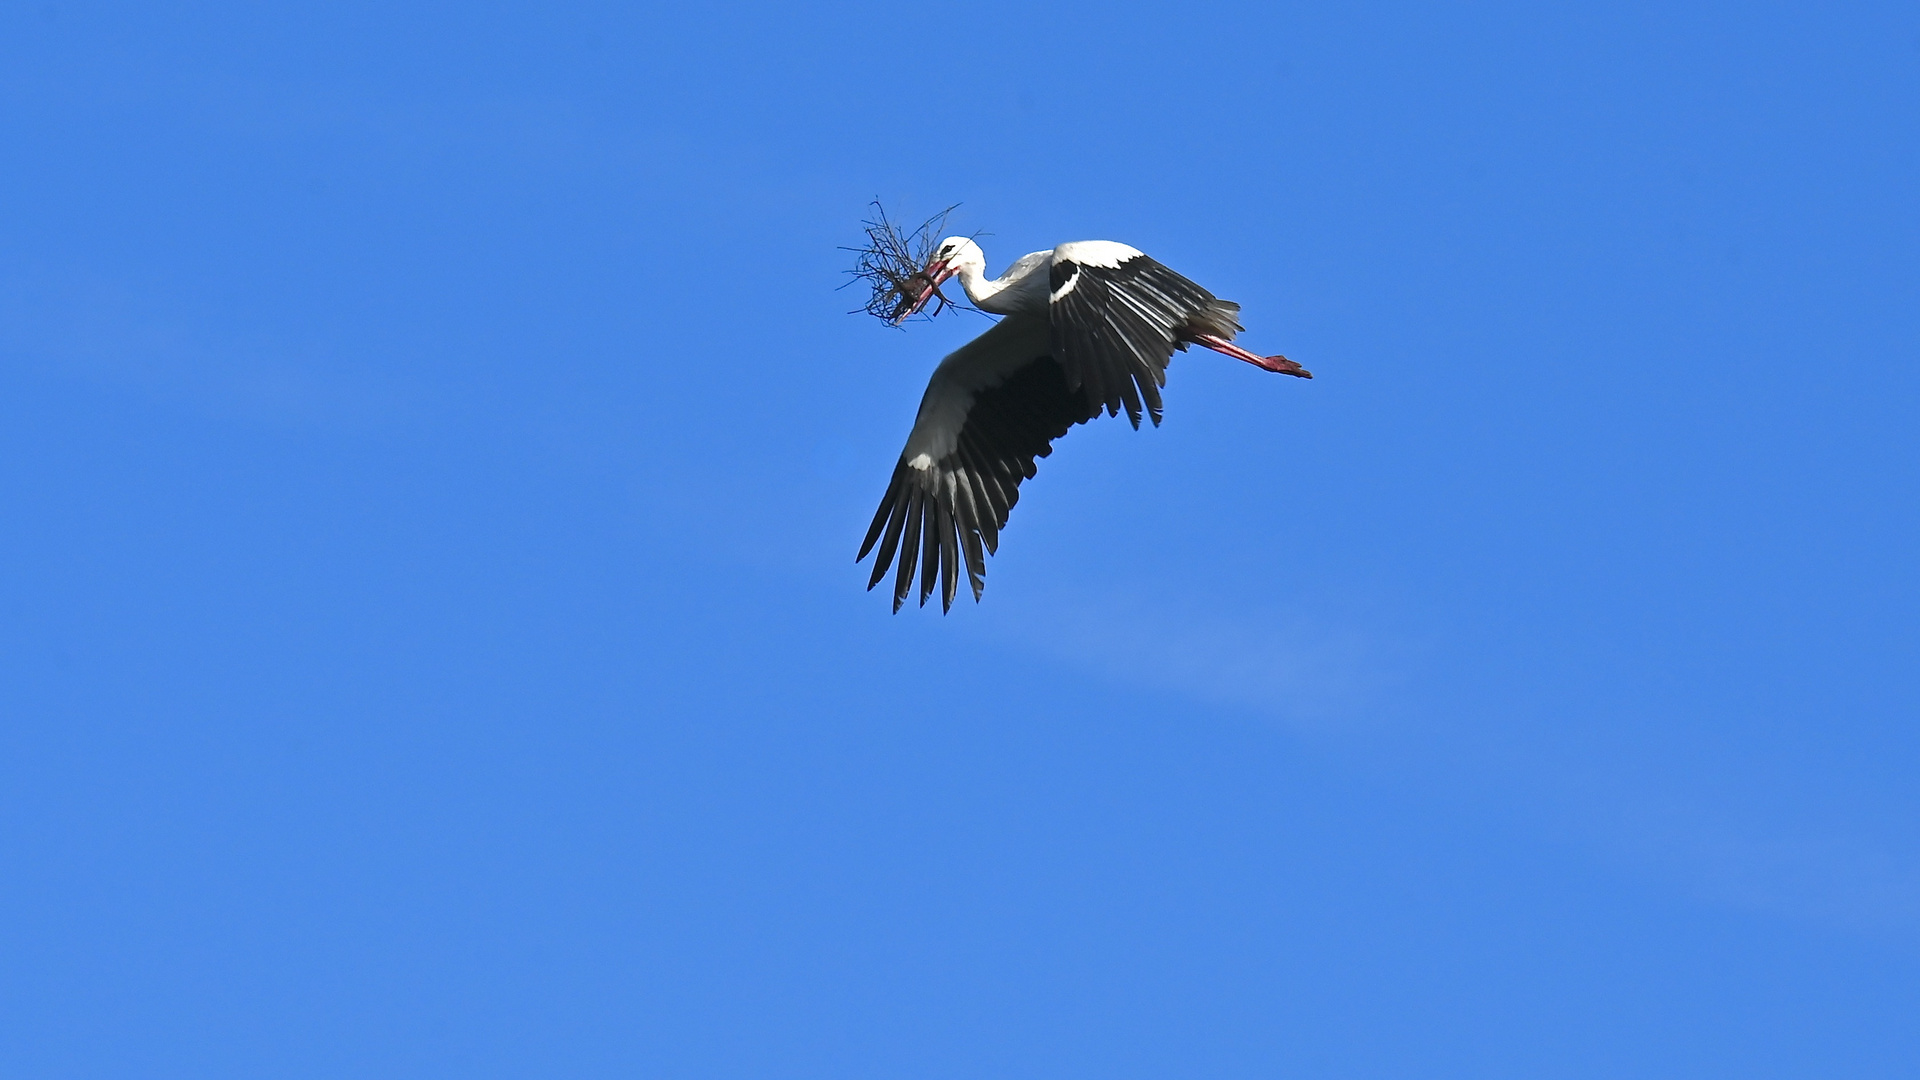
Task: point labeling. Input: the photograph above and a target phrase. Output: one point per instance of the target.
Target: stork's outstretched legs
(1277, 364)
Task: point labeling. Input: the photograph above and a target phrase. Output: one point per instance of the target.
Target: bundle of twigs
(893, 263)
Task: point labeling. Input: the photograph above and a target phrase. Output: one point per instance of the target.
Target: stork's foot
(1279, 365)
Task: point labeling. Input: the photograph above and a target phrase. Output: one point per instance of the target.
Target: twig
(893, 264)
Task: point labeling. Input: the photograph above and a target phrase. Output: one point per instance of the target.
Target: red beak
(935, 273)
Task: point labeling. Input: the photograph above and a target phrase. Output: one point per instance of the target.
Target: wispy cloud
(64, 323)
(1360, 682)
(1311, 670)
(1837, 878)
(1775, 861)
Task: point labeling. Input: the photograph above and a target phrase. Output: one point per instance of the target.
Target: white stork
(1089, 326)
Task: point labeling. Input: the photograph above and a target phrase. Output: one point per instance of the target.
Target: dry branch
(893, 263)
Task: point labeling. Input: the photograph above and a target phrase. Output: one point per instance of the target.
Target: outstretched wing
(1116, 318)
(991, 409)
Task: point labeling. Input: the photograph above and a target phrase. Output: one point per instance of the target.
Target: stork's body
(1089, 327)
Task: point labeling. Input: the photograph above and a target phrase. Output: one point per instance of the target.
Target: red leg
(1278, 364)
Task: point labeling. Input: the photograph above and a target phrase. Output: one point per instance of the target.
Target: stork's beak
(935, 273)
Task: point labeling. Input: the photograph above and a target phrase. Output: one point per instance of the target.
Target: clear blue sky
(432, 454)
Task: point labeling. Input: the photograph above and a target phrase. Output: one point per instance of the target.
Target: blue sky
(432, 454)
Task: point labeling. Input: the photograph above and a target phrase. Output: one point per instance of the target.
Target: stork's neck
(1019, 289)
(980, 288)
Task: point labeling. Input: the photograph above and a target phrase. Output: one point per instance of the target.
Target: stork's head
(955, 255)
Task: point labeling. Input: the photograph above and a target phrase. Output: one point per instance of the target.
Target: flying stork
(1089, 326)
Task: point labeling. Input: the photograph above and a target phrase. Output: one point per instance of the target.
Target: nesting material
(893, 263)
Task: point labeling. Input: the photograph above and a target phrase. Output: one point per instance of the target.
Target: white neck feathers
(1021, 288)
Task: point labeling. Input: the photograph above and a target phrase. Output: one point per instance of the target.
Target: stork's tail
(1217, 318)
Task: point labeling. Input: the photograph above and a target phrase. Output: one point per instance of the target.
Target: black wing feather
(944, 518)
(1114, 328)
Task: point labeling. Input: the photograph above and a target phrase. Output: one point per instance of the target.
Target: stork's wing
(1116, 318)
(991, 409)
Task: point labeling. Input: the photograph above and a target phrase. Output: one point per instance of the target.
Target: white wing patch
(1101, 253)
